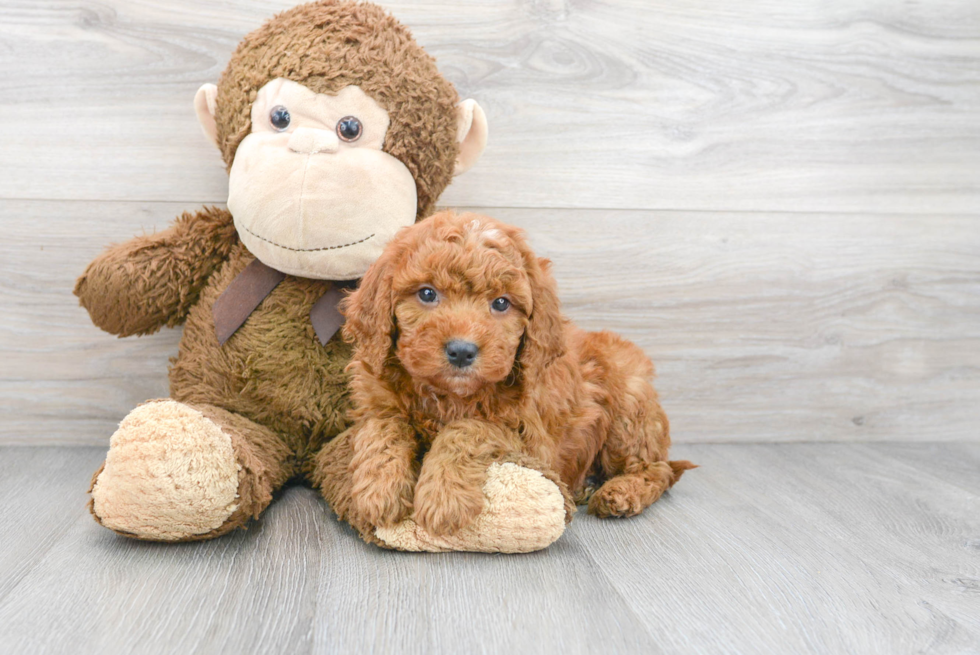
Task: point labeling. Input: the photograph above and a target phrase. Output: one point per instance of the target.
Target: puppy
(462, 358)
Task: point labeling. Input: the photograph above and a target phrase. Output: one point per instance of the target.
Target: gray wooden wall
(778, 199)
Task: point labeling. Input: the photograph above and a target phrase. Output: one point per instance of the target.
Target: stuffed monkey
(337, 129)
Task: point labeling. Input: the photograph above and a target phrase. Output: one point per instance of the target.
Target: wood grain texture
(809, 105)
(43, 492)
(802, 548)
(763, 326)
(808, 549)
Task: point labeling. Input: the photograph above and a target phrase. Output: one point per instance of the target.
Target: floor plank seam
(619, 594)
(62, 532)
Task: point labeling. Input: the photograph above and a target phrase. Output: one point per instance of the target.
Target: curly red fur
(581, 403)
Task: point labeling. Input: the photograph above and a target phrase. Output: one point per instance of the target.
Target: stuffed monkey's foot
(524, 512)
(175, 472)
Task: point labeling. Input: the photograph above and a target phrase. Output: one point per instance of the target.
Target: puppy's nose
(461, 353)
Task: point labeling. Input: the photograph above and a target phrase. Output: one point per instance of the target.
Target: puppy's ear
(370, 314)
(544, 338)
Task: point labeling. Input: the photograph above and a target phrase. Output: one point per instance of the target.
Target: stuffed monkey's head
(337, 130)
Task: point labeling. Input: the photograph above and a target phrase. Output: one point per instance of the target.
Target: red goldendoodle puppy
(463, 358)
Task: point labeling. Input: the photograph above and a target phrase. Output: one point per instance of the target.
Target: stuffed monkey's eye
(427, 295)
(500, 304)
(279, 117)
(349, 128)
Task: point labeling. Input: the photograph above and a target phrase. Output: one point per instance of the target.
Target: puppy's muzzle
(461, 354)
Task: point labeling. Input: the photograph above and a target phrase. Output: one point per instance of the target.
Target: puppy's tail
(677, 467)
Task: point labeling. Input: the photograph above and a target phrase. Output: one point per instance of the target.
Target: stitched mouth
(338, 247)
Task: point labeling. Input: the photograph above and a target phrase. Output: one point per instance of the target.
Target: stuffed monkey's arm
(141, 285)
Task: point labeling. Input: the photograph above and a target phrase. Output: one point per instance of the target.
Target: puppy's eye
(279, 117)
(500, 305)
(349, 128)
(427, 295)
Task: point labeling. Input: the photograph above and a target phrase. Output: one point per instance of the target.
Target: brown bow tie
(250, 288)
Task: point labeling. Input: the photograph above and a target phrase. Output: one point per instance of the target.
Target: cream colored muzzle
(311, 141)
(308, 205)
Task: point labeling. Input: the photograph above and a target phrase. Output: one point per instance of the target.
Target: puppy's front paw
(443, 509)
(382, 496)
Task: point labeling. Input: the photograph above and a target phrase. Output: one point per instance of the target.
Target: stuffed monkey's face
(311, 191)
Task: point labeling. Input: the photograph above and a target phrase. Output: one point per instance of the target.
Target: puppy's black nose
(461, 353)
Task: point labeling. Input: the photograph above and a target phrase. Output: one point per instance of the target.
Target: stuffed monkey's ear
(206, 105)
(471, 133)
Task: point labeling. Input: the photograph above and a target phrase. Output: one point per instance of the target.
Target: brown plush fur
(581, 403)
(328, 45)
(273, 371)
(272, 385)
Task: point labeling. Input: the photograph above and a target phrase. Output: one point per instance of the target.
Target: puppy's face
(462, 303)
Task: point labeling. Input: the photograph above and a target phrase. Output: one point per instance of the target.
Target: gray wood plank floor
(768, 548)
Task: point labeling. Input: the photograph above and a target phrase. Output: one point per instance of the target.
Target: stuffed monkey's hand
(525, 510)
(109, 289)
(141, 285)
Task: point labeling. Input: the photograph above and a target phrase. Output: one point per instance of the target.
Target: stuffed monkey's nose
(309, 140)
(461, 353)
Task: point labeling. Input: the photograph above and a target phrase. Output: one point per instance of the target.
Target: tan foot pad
(170, 473)
(524, 512)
